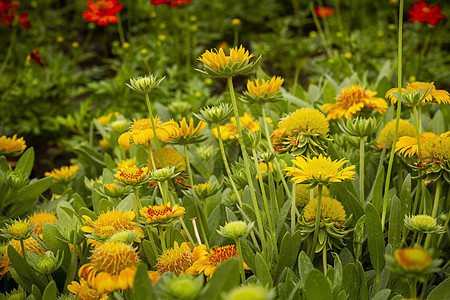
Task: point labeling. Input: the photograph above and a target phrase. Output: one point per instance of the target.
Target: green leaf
(317, 286)
(329, 93)
(441, 291)
(19, 266)
(54, 241)
(105, 205)
(34, 189)
(224, 279)
(84, 211)
(375, 238)
(363, 290)
(148, 251)
(395, 223)
(290, 245)
(437, 124)
(282, 217)
(405, 195)
(382, 295)
(91, 156)
(262, 271)
(4, 167)
(376, 193)
(142, 287)
(248, 255)
(337, 280)
(25, 163)
(304, 266)
(50, 291)
(36, 292)
(126, 204)
(351, 282)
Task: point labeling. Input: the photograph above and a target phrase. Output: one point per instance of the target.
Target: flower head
(217, 64)
(132, 176)
(319, 170)
(360, 127)
(303, 194)
(163, 174)
(185, 287)
(40, 219)
(215, 114)
(172, 158)
(18, 230)
(103, 11)
(84, 292)
(30, 244)
(12, 146)
(34, 56)
(112, 267)
(105, 119)
(114, 190)
(408, 146)
(189, 134)
(126, 163)
(424, 224)
(324, 12)
(387, 133)
(144, 84)
(413, 259)
(436, 148)
(161, 215)
(331, 210)
(263, 91)
(45, 263)
(64, 174)
(141, 132)
(419, 92)
(423, 13)
(9, 13)
(353, 100)
(250, 291)
(235, 229)
(303, 131)
(230, 131)
(205, 190)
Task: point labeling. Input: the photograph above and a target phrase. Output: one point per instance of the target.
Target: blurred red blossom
(171, 3)
(103, 11)
(324, 12)
(9, 14)
(34, 56)
(423, 13)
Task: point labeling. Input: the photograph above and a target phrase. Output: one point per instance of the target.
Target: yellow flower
(84, 292)
(263, 91)
(39, 219)
(303, 131)
(230, 131)
(319, 170)
(172, 158)
(161, 215)
(129, 162)
(413, 259)
(439, 96)
(12, 146)
(131, 175)
(64, 174)
(113, 190)
(18, 230)
(404, 129)
(408, 146)
(209, 260)
(217, 64)
(302, 194)
(109, 223)
(30, 245)
(112, 267)
(436, 148)
(189, 134)
(176, 260)
(103, 120)
(352, 100)
(331, 210)
(141, 132)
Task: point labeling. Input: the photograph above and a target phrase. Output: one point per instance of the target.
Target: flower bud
(215, 114)
(360, 127)
(251, 139)
(163, 174)
(144, 84)
(235, 229)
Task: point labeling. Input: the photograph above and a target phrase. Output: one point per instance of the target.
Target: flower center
(19, 228)
(102, 4)
(114, 257)
(223, 254)
(426, 10)
(175, 260)
(159, 211)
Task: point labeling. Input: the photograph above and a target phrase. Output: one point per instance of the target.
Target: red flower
(158, 2)
(34, 56)
(103, 11)
(423, 13)
(171, 3)
(9, 14)
(324, 12)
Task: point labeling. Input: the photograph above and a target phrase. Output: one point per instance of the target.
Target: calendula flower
(423, 13)
(230, 131)
(324, 12)
(18, 230)
(419, 92)
(408, 146)
(189, 134)
(12, 145)
(35, 57)
(64, 174)
(30, 244)
(144, 84)
(209, 260)
(352, 100)
(176, 260)
(141, 132)
(304, 131)
(405, 128)
(112, 267)
(161, 215)
(424, 224)
(109, 223)
(132, 176)
(319, 170)
(217, 64)
(84, 292)
(103, 12)
(263, 91)
(38, 220)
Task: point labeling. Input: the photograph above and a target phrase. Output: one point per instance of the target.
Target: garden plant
(195, 149)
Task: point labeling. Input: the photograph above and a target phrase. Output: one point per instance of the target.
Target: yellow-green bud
(126, 237)
(235, 229)
(254, 292)
(119, 125)
(144, 84)
(215, 114)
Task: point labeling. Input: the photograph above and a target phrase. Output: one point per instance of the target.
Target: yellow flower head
(436, 148)
(103, 120)
(424, 224)
(64, 174)
(39, 219)
(141, 132)
(161, 215)
(263, 91)
(84, 292)
(132, 175)
(109, 223)
(172, 158)
(408, 146)
(331, 211)
(129, 162)
(18, 230)
(319, 170)
(30, 245)
(217, 64)
(176, 260)
(205, 190)
(114, 190)
(12, 146)
(404, 129)
(429, 93)
(230, 131)
(352, 100)
(302, 194)
(189, 134)
(413, 259)
(112, 267)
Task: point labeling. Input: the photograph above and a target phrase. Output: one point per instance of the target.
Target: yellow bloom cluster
(230, 131)
(64, 174)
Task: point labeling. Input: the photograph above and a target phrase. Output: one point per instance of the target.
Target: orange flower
(103, 11)
(324, 12)
(84, 292)
(163, 214)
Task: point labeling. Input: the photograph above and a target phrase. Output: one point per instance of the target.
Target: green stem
(324, 261)
(445, 228)
(361, 169)
(191, 179)
(10, 49)
(319, 30)
(152, 242)
(417, 197)
(317, 222)
(416, 122)
(293, 207)
(120, 29)
(241, 259)
(202, 225)
(412, 290)
(338, 14)
(39, 241)
(24, 255)
(137, 206)
(246, 164)
(205, 208)
(419, 238)
(162, 237)
(399, 106)
(236, 37)
(420, 119)
(437, 197)
(191, 240)
(155, 137)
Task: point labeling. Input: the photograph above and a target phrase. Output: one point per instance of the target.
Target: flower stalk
(317, 221)
(150, 113)
(361, 168)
